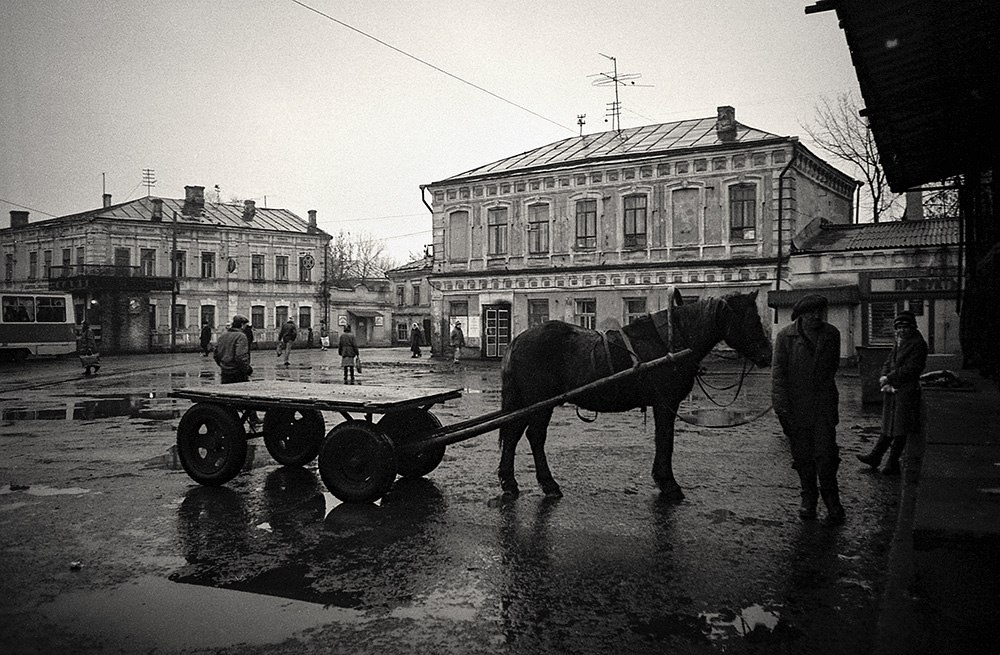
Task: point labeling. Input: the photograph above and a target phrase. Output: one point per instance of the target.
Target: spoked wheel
(407, 427)
(293, 436)
(357, 462)
(211, 444)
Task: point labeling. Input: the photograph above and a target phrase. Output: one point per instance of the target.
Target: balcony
(105, 277)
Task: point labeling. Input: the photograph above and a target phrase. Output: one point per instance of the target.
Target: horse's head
(744, 331)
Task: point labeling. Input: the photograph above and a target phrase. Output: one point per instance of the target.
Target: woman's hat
(904, 318)
(811, 303)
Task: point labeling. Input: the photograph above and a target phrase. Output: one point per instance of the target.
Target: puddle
(721, 417)
(754, 623)
(42, 490)
(750, 621)
(196, 614)
(146, 406)
(444, 605)
(171, 461)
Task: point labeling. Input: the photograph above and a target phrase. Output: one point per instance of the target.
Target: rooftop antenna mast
(581, 122)
(149, 179)
(614, 110)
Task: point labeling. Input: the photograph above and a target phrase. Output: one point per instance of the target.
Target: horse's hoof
(672, 493)
(552, 490)
(510, 493)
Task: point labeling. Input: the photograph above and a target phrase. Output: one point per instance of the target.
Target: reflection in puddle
(750, 620)
(42, 490)
(721, 417)
(171, 461)
(753, 623)
(87, 410)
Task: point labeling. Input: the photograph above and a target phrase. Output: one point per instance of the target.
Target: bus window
(18, 309)
(51, 310)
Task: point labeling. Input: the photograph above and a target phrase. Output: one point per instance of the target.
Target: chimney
(107, 199)
(249, 210)
(18, 218)
(725, 123)
(312, 218)
(914, 205)
(157, 210)
(194, 200)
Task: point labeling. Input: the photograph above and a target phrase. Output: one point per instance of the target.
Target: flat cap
(810, 303)
(239, 320)
(905, 317)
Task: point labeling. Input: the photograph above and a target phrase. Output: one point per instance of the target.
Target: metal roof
(213, 214)
(633, 142)
(928, 72)
(922, 233)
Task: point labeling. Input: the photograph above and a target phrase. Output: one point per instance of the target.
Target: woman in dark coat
(206, 338)
(900, 383)
(415, 341)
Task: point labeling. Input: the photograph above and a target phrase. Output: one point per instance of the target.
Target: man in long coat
(805, 361)
(900, 382)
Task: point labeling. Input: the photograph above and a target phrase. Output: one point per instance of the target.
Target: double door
(496, 330)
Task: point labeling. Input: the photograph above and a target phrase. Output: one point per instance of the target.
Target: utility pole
(173, 289)
(614, 110)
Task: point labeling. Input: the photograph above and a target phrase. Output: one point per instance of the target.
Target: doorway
(496, 330)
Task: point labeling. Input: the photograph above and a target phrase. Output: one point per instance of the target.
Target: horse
(554, 357)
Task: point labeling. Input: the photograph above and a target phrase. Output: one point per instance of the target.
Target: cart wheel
(357, 462)
(406, 427)
(211, 444)
(293, 436)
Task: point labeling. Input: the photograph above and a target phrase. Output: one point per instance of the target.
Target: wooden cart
(359, 458)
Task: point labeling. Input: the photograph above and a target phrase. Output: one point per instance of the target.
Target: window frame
(742, 202)
(585, 312)
(207, 265)
(458, 237)
(586, 218)
(257, 271)
(634, 235)
(496, 230)
(147, 262)
(257, 317)
(305, 274)
(630, 315)
(538, 228)
(535, 316)
(281, 268)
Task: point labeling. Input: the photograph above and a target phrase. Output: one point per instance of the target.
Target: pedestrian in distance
(324, 336)
(286, 336)
(347, 348)
(87, 349)
(206, 338)
(416, 340)
(900, 383)
(232, 354)
(457, 339)
(248, 330)
(805, 397)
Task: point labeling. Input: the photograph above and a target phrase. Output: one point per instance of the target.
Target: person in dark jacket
(347, 348)
(416, 339)
(286, 336)
(206, 338)
(900, 382)
(805, 396)
(87, 348)
(248, 330)
(232, 352)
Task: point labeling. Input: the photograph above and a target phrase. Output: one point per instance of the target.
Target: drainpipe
(781, 228)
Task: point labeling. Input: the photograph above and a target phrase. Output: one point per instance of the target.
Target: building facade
(594, 229)
(116, 261)
(412, 288)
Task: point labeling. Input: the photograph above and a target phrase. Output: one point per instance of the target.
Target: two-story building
(594, 229)
(116, 261)
(413, 299)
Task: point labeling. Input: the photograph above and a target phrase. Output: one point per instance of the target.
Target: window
(180, 263)
(51, 310)
(305, 273)
(585, 314)
(257, 317)
(18, 309)
(67, 261)
(47, 263)
(538, 312)
(635, 221)
(305, 318)
(496, 221)
(586, 224)
(33, 265)
(257, 268)
(458, 236)
(400, 295)
(208, 315)
(634, 308)
(8, 267)
(147, 262)
(742, 211)
(180, 317)
(79, 256)
(538, 228)
(280, 315)
(416, 294)
(458, 310)
(402, 332)
(123, 257)
(281, 268)
(880, 318)
(207, 264)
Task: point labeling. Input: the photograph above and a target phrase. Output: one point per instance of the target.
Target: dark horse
(555, 357)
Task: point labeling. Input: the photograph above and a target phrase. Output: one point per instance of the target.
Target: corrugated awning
(364, 313)
(845, 295)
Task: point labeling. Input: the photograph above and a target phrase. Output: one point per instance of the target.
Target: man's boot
(830, 492)
(809, 494)
(892, 465)
(874, 458)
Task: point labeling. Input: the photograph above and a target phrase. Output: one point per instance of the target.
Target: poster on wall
(379, 321)
(475, 325)
(342, 319)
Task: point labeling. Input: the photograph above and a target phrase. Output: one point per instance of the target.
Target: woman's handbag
(357, 363)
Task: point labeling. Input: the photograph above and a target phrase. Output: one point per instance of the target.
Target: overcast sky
(268, 99)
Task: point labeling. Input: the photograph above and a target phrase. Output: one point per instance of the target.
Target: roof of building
(212, 214)
(923, 233)
(684, 135)
(424, 264)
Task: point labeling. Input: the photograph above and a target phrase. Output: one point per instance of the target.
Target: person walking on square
(286, 336)
(206, 338)
(805, 397)
(900, 382)
(324, 336)
(347, 348)
(248, 330)
(415, 341)
(87, 349)
(457, 340)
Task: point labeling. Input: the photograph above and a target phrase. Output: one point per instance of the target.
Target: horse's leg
(663, 463)
(510, 434)
(537, 429)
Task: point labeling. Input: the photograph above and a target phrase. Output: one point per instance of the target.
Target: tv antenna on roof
(149, 179)
(614, 111)
(581, 122)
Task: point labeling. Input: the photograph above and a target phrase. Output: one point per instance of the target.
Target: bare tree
(358, 257)
(841, 131)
